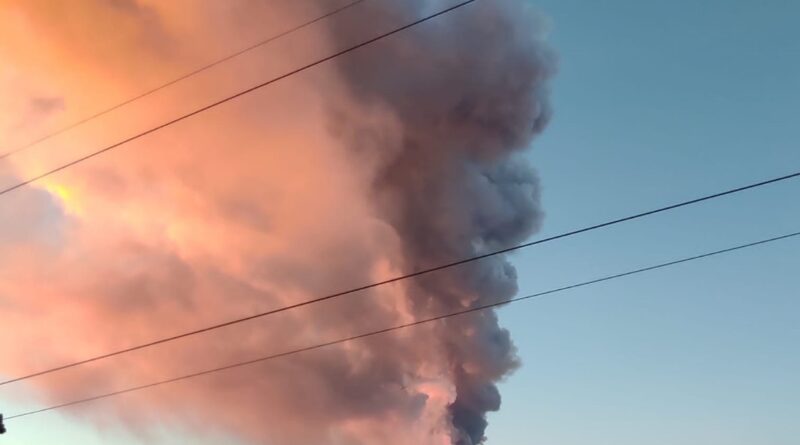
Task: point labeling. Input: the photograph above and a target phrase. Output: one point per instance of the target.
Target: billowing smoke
(394, 158)
(464, 96)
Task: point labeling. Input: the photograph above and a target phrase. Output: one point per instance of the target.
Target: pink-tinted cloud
(392, 159)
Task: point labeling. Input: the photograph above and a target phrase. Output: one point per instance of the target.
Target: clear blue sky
(656, 102)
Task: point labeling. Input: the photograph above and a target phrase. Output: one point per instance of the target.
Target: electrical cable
(405, 325)
(401, 278)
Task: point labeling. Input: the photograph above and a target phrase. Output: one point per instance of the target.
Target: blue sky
(656, 102)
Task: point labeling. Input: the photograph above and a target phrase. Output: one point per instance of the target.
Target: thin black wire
(178, 79)
(235, 96)
(399, 278)
(407, 325)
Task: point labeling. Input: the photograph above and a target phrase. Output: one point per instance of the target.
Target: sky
(654, 104)
(658, 102)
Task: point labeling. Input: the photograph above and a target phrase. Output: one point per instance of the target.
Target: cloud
(394, 158)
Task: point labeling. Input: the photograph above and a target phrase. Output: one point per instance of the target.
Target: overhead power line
(406, 325)
(178, 79)
(232, 97)
(402, 277)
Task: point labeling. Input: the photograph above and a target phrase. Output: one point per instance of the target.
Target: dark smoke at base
(465, 93)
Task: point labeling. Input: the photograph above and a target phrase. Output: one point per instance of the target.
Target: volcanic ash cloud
(399, 156)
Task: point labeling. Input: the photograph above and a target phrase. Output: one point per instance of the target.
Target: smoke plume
(463, 97)
(400, 156)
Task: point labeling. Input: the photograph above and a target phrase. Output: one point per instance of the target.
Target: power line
(232, 97)
(178, 79)
(401, 278)
(407, 325)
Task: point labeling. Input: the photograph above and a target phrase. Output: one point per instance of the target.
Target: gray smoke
(465, 93)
